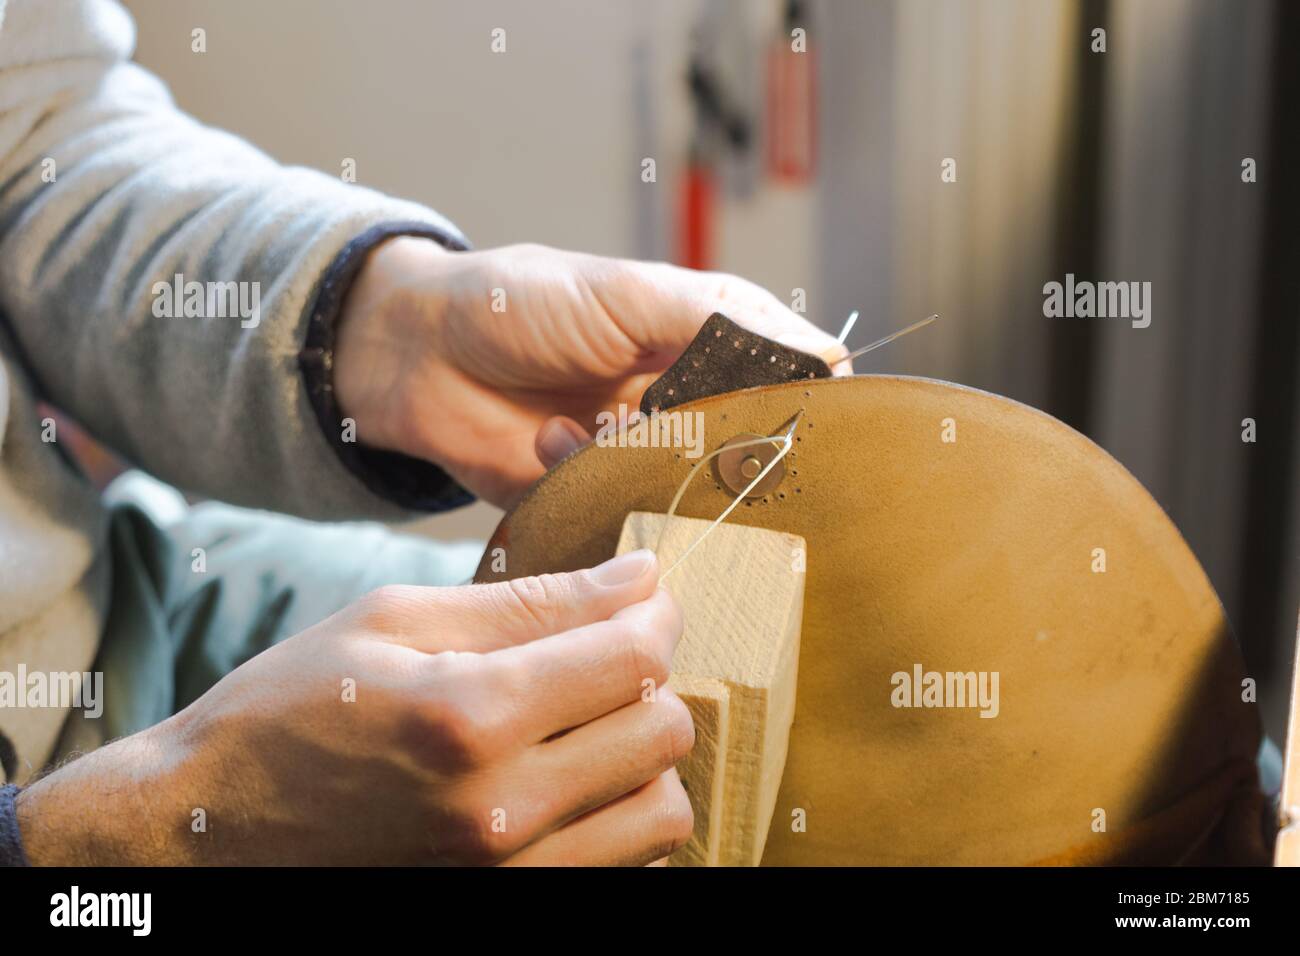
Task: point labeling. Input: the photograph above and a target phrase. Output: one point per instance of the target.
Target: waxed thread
(786, 440)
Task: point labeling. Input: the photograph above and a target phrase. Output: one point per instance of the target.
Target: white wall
(543, 143)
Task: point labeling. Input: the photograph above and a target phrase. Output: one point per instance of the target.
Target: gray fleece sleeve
(110, 201)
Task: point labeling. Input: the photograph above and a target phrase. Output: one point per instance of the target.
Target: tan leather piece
(1198, 829)
(1119, 691)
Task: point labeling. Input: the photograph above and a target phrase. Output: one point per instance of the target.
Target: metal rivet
(735, 469)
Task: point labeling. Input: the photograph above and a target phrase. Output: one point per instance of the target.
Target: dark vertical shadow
(1072, 344)
(1265, 625)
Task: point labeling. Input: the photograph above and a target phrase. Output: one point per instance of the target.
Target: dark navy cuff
(11, 841)
(409, 482)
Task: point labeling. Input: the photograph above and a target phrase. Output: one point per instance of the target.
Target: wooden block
(1287, 851)
(704, 770)
(742, 594)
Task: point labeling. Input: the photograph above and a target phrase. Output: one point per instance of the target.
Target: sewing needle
(848, 326)
(879, 342)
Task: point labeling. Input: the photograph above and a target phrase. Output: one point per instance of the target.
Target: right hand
(491, 723)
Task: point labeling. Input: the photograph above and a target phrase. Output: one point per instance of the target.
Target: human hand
(498, 723)
(426, 367)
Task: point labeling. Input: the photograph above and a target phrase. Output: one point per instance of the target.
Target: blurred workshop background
(821, 172)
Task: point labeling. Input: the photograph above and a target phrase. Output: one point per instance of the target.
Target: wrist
(111, 807)
(387, 320)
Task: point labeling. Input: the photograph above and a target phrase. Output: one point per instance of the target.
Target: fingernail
(558, 439)
(624, 568)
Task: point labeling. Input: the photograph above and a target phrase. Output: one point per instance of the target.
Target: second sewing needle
(887, 339)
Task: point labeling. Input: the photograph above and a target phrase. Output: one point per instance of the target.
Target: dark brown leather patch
(724, 358)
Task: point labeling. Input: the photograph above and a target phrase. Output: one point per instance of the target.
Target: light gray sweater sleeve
(107, 194)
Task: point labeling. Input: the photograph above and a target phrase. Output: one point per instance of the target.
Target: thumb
(558, 438)
(487, 617)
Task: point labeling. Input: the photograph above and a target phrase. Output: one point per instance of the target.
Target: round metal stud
(737, 467)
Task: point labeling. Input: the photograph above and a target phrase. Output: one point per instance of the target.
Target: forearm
(108, 194)
(116, 806)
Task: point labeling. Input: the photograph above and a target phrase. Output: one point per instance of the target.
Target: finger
(541, 788)
(669, 305)
(528, 608)
(559, 438)
(638, 828)
(488, 617)
(759, 311)
(574, 677)
(605, 758)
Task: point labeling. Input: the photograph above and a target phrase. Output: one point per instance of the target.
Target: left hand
(427, 367)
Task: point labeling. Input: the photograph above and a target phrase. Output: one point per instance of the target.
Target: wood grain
(741, 592)
(704, 770)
